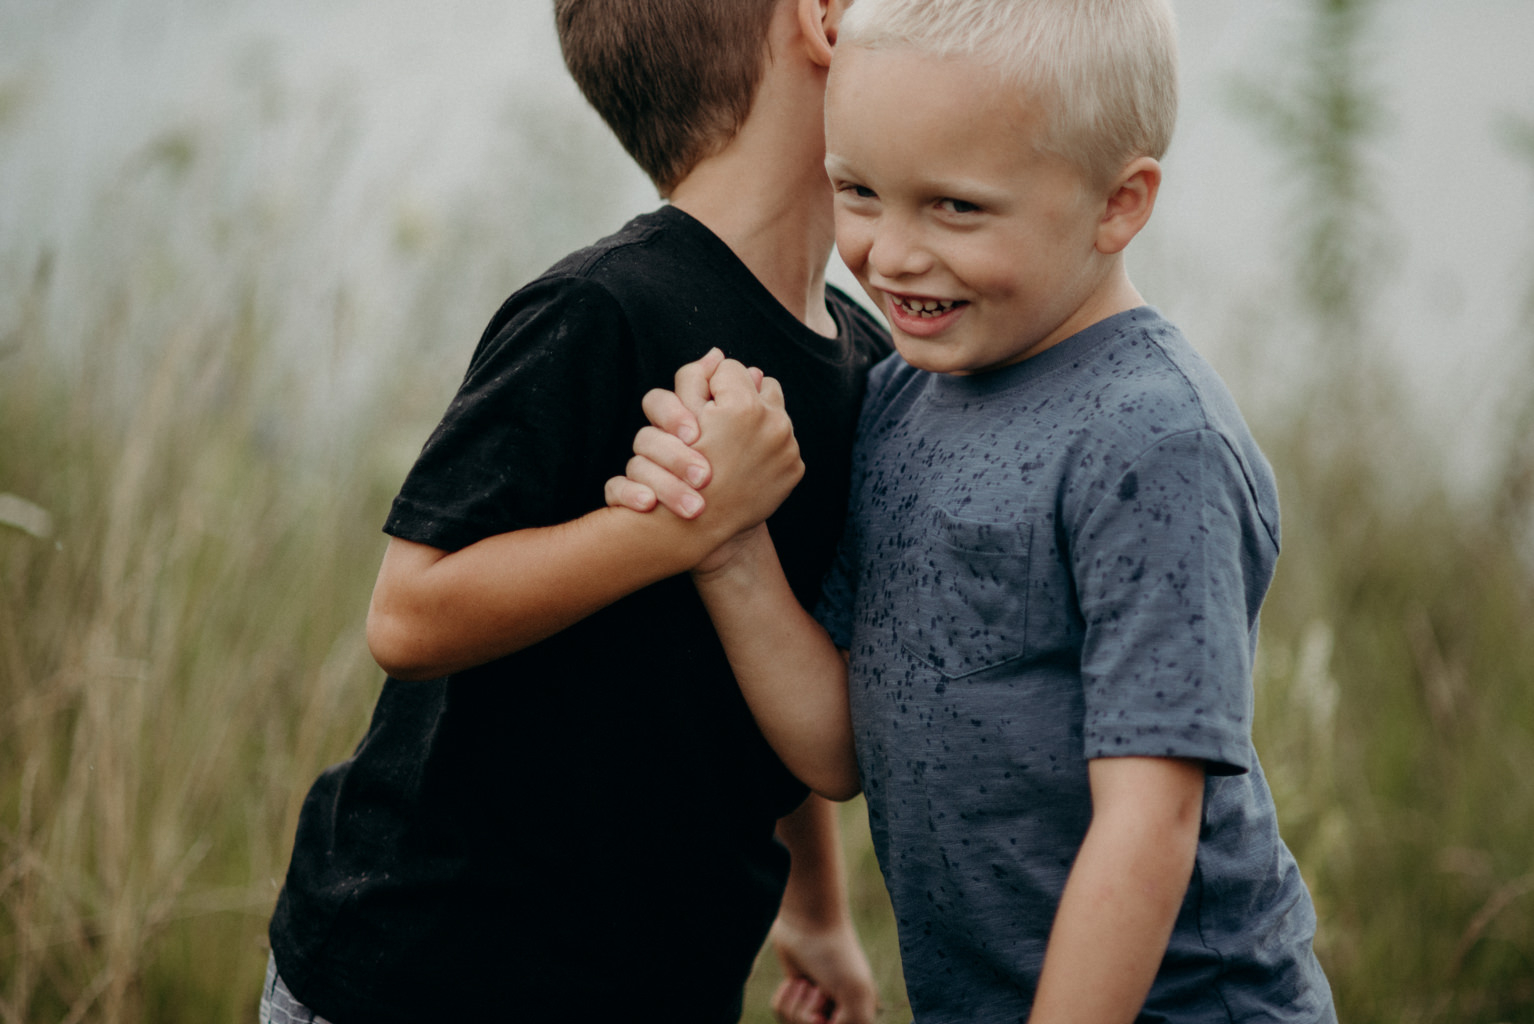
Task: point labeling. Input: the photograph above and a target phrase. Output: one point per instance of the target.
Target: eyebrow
(963, 188)
(835, 164)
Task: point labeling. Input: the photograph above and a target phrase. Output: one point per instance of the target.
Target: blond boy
(1059, 536)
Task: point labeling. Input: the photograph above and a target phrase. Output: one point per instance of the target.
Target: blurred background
(246, 250)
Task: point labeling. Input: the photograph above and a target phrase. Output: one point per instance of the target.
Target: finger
(863, 1012)
(673, 455)
(771, 392)
(813, 1006)
(669, 492)
(621, 492)
(758, 376)
(781, 999)
(692, 379)
(793, 1002)
(732, 380)
(786, 996)
(667, 411)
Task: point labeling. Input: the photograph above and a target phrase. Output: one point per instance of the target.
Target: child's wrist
(734, 563)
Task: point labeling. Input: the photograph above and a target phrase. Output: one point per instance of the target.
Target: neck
(766, 195)
(783, 235)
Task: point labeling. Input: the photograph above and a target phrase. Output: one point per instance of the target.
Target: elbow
(838, 791)
(390, 644)
(838, 783)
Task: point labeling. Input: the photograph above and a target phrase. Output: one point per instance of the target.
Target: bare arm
(826, 976)
(435, 612)
(1121, 901)
(791, 674)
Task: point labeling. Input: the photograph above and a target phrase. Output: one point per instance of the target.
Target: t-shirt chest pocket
(966, 606)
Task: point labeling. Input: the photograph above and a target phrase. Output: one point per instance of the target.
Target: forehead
(881, 98)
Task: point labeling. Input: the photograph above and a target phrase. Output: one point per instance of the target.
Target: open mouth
(924, 308)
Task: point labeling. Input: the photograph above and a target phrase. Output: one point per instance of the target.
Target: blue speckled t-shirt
(1058, 561)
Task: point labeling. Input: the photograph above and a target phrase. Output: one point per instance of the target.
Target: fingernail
(691, 505)
(697, 475)
(688, 433)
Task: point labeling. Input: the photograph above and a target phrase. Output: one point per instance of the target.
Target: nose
(896, 248)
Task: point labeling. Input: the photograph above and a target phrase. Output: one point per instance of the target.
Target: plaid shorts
(278, 1005)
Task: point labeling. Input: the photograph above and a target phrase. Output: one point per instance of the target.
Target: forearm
(825, 973)
(817, 890)
(791, 674)
(435, 612)
(1120, 904)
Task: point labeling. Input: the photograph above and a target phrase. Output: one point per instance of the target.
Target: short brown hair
(673, 79)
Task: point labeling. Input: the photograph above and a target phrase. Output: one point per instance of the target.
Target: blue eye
(958, 206)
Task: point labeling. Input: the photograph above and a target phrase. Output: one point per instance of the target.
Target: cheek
(995, 271)
(1026, 263)
(852, 241)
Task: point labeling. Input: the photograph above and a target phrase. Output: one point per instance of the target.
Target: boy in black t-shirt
(535, 826)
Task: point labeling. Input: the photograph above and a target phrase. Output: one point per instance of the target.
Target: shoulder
(1142, 381)
(632, 247)
(595, 293)
(655, 258)
(893, 390)
(1150, 383)
(542, 321)
(649, 254)
(1147, 397)
(891, 377)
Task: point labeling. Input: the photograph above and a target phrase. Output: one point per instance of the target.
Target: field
(190, 493)
(181, 652)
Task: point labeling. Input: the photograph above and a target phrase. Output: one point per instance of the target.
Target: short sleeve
(1171, 566)
(545, 413)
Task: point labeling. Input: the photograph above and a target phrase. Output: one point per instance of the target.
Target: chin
(923, 357)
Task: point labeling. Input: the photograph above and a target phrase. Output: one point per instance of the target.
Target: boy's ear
(1131, 199)
(818, 20)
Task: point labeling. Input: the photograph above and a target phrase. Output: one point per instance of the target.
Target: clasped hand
(720, 449)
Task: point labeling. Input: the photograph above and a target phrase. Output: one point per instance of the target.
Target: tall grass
(180, 636)
(195, 459)
(1396, 687)
(179, 651)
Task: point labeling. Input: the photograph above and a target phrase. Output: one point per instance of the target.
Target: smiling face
(980, 249)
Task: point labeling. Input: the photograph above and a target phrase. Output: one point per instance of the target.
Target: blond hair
(1105, 69)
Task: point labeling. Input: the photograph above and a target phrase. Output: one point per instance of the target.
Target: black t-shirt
(566, 830)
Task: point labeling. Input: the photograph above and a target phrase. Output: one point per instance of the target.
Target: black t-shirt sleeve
(543, 416)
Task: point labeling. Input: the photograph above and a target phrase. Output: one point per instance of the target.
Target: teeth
(924, 307)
